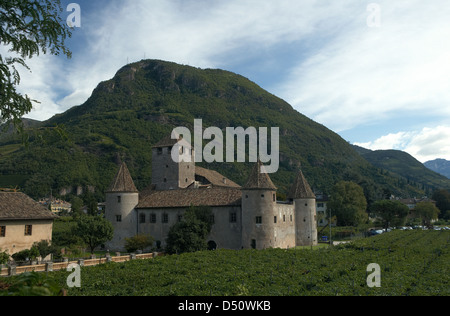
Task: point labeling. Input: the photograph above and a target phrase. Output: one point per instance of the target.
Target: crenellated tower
(168, 174)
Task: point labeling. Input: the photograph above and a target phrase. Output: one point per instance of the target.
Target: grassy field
(411, 262)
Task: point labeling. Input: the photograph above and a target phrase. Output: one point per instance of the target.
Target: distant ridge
(406, 166)
(440, 166)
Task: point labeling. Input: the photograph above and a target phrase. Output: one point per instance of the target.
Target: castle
(243, 217)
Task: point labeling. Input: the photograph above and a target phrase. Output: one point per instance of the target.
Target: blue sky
(383, 87)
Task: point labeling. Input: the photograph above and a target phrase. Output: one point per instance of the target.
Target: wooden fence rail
(57, 266)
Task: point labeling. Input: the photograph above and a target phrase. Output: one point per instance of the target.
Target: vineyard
(412, 263)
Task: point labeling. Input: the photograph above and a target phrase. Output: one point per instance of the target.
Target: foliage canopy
(27, 28)
(348, 204)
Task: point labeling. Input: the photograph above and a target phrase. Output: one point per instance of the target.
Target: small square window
(28, 230)
(2, 231)
(258, 219)
(165, 218)
(153, 218)
(233, 217)
(118, 218)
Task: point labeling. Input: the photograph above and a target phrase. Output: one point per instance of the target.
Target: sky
(375, 72)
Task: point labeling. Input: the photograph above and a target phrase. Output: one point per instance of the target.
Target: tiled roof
(166, 142)
(19, 206)
(169, 142)
(215, 178)
(301, 189)
(258, 180)
(123, 181)
(188, 197)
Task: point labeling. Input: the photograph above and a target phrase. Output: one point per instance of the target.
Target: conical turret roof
(301, 189)
(123, 182)
(259, 180)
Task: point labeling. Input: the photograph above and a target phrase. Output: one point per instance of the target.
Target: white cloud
(365, 74)
(426, 144)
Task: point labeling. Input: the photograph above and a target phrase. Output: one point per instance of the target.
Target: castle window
(291, 218)
(258, 219)
(262, 195)
(284, 218)
(142, 218)
(165, 180)
(119, 199)
(159, 151)
(233, 217)
(153, 218)
(246, 196)
(165, 218)
(118, 218)
(2, 231)
(180, 218)
(253, 244)
(28, 230)
(274, 219)
(274, 197)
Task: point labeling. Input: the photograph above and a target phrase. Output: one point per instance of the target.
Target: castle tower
(258, 209)
(121, 199)
(305, 212)
(168, 174)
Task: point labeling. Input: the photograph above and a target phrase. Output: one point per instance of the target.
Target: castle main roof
(301, 189)
(259, 179)
(123, 181)
(194, 197)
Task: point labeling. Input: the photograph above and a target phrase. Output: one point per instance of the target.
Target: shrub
(138, 242)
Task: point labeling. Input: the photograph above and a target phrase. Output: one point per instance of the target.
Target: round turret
(121, 199)
(258, 209)
(304, 201)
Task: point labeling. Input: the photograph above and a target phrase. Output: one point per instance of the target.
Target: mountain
(406, 168)
(440, 166)
(142, 104)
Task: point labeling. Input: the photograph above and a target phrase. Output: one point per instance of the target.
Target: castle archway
(212, 245)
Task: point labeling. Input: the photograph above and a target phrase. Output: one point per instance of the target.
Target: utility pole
(329, 223)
